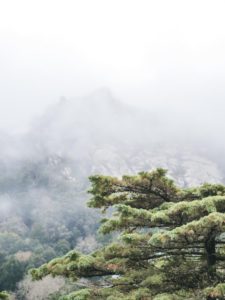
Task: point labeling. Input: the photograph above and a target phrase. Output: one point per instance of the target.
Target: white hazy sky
(151, 53)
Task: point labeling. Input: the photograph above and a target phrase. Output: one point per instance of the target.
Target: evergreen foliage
(171, 243)
(4, 295)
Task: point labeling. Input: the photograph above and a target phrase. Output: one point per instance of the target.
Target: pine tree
(171, 241)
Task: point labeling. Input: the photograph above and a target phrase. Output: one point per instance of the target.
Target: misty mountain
(44, 173)
(99, 134)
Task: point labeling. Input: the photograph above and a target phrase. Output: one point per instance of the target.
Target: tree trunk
(210, 246)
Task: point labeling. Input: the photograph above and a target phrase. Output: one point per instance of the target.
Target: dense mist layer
(163, 55)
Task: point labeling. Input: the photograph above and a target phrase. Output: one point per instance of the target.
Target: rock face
(99, 134)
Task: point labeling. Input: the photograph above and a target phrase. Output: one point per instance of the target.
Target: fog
(166, 56)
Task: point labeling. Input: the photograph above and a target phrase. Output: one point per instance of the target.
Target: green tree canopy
(171, 242)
